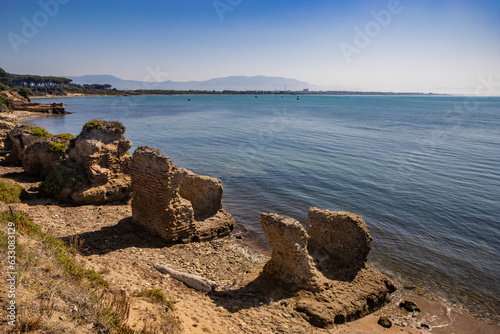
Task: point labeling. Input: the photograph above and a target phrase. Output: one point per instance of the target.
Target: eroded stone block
(290, 261)
(339, 243)
(174, 202)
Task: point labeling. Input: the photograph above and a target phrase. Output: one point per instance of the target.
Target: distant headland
(108, 85)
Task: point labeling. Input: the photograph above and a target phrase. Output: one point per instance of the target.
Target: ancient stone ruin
(324, 267)
(290, 261)
(174, 202)
(339, 242)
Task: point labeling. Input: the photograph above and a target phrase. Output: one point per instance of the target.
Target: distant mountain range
(239, 83)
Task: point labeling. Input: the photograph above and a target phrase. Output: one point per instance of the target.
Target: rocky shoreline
(125, 254)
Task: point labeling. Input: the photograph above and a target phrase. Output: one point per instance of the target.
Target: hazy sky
(406, 45)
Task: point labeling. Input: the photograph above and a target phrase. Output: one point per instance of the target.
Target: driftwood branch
(193, 281)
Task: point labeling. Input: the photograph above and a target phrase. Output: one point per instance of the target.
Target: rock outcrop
(38, 150)
(22, 136)
(339, 242)
(324, 267)
(20, 103)
(7, 123)
(55, 108)
(290, 261)
(174, 202)
(102, 150)
(42, 156)
(96, 170)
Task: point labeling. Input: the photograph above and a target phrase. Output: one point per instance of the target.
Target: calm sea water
(424, 172)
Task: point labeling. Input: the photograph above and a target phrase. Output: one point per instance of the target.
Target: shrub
(40, 132)
(25, 92)
(4, 100)
(66, 171)
(4, 87)
(67, 136)
(156, 296)
(10, 193)
(98, 123)
(93, 124)
(57, 147)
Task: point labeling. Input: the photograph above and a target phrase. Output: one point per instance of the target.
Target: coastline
(124, 254)
(98, 224)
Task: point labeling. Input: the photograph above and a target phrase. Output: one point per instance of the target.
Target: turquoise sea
(424, 171)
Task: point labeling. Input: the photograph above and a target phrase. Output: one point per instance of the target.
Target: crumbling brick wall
(176, 203)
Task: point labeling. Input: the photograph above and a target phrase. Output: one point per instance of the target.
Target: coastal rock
(96, 170)
(20, 103)
(46, 108)
(174, 202)
(42, 156)
(384, 322)
(102, 150)
(340, 242)
(314, 266)
(7, 123)
(409, 305)
(23, 136)
(290, 262)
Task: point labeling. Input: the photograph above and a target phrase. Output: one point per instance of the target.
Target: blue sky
(414, 45)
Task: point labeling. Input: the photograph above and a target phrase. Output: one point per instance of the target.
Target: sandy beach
(124, 254)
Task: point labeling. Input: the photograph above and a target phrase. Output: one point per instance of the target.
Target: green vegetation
(67, 136)
(156, 296)
(21, 253)
(10, 193)
(48, 275)
(93, 124)
(40, 132)
(57, 147)
(116, 124)
(42, 85)
(4, 87)
(25, 92)
(5, 101)
(67, 171)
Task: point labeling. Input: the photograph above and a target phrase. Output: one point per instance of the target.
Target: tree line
(29, 84)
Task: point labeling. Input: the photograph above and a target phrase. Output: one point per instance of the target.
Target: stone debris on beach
(410, 306)
(385, 322)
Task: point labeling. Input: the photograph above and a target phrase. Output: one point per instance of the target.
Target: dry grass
(60, 296)
(33, 317)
